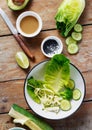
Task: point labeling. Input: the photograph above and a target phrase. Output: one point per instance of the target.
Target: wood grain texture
(46, 10)
(10, 70)
(81, 120)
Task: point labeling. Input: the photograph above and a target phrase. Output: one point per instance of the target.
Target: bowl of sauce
(51, 45)
(29, 24)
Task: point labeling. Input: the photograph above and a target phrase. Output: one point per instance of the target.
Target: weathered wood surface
(10, 69)
(46, 10)
(12, 76)
(81, 120)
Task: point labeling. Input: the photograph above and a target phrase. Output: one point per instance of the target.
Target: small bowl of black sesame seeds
(51, 45)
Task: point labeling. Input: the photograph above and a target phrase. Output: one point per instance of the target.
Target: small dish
(29, 24)
(51, 45)
(17, 128)
(38, 72)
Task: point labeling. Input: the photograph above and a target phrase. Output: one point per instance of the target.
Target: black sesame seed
(50, 46)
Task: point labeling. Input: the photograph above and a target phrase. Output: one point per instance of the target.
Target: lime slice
(22, 60)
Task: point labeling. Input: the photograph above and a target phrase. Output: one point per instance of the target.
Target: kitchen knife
(15, 34)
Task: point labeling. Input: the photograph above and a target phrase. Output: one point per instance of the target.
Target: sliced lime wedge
(22, 60)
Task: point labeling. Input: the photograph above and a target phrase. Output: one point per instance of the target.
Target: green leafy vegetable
(35, 83)
(57, 73)
(32, 94)
(32, 83)
(68, 14)
(67, 94)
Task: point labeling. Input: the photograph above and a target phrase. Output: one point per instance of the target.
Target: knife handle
(23, 46)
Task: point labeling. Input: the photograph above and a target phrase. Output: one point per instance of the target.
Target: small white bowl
(17, 128)
(51, 45)
(25, 14)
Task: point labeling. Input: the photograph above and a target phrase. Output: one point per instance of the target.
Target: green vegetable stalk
(24, 117)
(68, 14)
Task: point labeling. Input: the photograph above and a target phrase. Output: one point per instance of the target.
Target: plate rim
(13, 128)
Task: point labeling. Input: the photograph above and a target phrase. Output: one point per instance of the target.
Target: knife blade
(8, 22)
(15, 34)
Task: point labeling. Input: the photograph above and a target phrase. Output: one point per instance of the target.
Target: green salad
(57, 89)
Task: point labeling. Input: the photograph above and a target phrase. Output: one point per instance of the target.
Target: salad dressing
(29, 24)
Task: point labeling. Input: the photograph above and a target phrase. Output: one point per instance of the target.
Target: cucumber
(71, 84)
(78, 28)
(70, 40)
(73, 48)
(76, 36)
(76, 94)
(65, 105)
(25, 118)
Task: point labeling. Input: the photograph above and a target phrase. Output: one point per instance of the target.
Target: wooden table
(12, 76)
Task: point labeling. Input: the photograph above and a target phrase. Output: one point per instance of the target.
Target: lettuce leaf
(56, 77)
(68, 14)
(57, 73)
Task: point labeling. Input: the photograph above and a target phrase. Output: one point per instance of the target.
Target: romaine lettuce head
(68, 14)
(57, 73)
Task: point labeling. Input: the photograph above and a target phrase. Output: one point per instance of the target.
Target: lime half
(22, 60)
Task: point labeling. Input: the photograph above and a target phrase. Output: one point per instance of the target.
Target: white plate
(38, 73)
